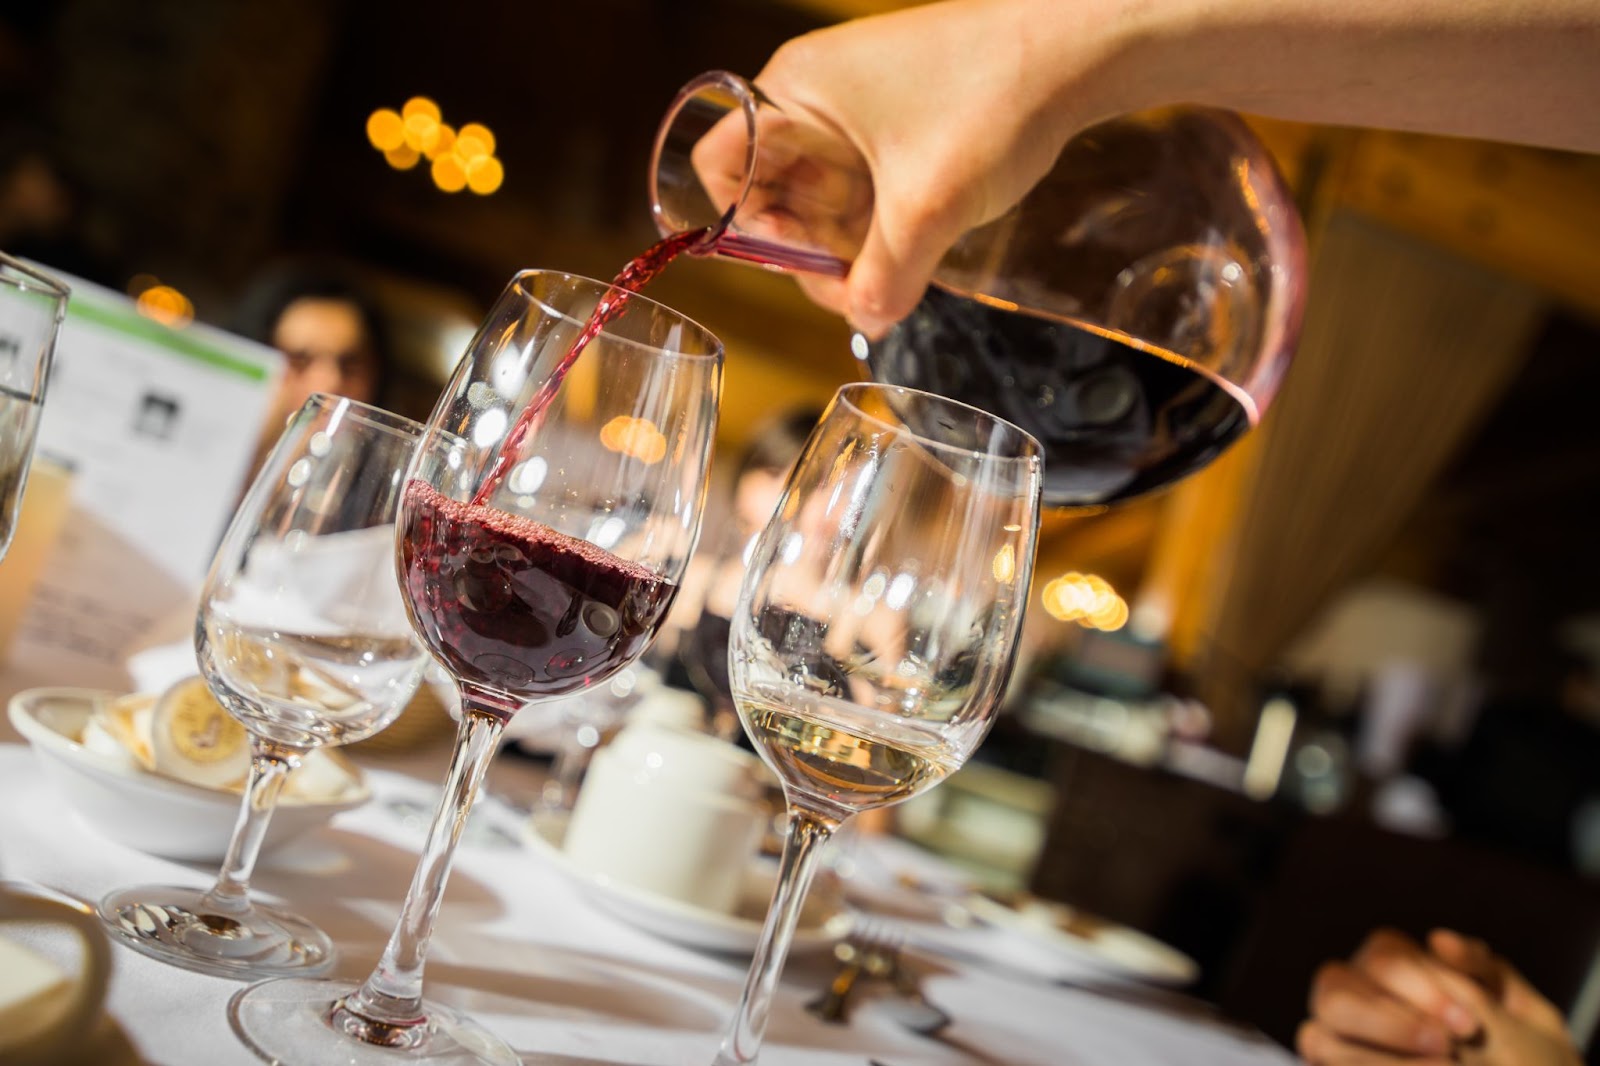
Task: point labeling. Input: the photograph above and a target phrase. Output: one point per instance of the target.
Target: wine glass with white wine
(877, 625)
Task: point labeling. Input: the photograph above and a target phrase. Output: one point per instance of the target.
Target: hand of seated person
(1451, 1002)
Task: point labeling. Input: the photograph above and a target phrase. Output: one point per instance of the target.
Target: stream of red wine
(640, 271)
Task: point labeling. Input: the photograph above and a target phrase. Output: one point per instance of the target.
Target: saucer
(823, 918)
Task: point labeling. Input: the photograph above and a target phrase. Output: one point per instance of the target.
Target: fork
(872, 948)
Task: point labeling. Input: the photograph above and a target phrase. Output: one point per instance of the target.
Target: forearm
(1515, 70)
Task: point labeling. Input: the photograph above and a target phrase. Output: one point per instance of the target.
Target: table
(519, 947)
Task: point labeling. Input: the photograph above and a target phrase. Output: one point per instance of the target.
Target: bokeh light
(421, 105)
(166, 305)
(484, 175)
(448, 173)
(443, 141)
(480, 135)
(403, 158)
(459, 158)
(386, 130)
(635, 437)
(1086, 599)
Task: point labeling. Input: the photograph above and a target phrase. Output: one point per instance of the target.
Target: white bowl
(133, 806)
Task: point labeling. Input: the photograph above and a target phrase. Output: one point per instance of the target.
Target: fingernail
(1461, 1021)
(1430, 1041)
(872, 329)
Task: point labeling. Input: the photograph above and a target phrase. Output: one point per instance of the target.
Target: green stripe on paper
(173, 340)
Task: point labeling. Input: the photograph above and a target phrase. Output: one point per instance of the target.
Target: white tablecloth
(565, 983)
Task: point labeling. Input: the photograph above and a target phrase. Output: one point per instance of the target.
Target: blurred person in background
(42, 208)
(1524, 779)
(700, 621)
(331, 331)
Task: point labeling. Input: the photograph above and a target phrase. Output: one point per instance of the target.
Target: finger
(1351, 1005)
(720, 159)
(897, 263)
(1469, 955)
(1503, 982)
(825, 292)
(1401, 968)
(1524, 1001)
(1320, 1046)
(1519, 1001)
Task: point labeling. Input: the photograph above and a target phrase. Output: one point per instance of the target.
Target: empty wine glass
(877, 625)
(539, 556)
(303, 638)
(32, 307)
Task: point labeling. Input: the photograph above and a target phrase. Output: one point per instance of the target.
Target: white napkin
(306, 585)
(318, 585)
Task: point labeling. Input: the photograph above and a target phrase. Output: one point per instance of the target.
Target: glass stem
(270, 764)
(392, 994)
(566, 772)
(808, 831)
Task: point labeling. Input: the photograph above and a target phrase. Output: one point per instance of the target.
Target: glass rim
(750, 98)
(1030, 448)
(369, 414)
(634, 297)
(31, 277)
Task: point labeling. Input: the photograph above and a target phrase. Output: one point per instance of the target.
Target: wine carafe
(1135, 312)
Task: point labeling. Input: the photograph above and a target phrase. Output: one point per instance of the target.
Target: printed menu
(158, 426)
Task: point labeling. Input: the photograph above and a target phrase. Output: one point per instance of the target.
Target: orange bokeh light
(459, 158)
(443, 142)
(385, 129)
(420, 105)
(485, 174)
(403, 158)
(448, 173)
(481, 135)
(166, 305)
(420, 130)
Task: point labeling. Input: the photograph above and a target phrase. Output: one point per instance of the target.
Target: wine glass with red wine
(538, 556)
(877, 625)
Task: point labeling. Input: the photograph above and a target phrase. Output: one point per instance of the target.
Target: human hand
(953, 121)
(1455, 1002)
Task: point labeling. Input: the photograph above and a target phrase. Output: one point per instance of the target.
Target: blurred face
(327, 349)
(755, 497)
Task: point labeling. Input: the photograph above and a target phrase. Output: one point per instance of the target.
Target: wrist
(1104, 58)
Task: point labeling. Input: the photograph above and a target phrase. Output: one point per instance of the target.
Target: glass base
(177, 926)
(295, 1021)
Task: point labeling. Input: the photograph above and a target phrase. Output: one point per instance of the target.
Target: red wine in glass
(515, 607)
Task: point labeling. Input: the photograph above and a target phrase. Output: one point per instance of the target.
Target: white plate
(1058, 943)
(823, 918)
